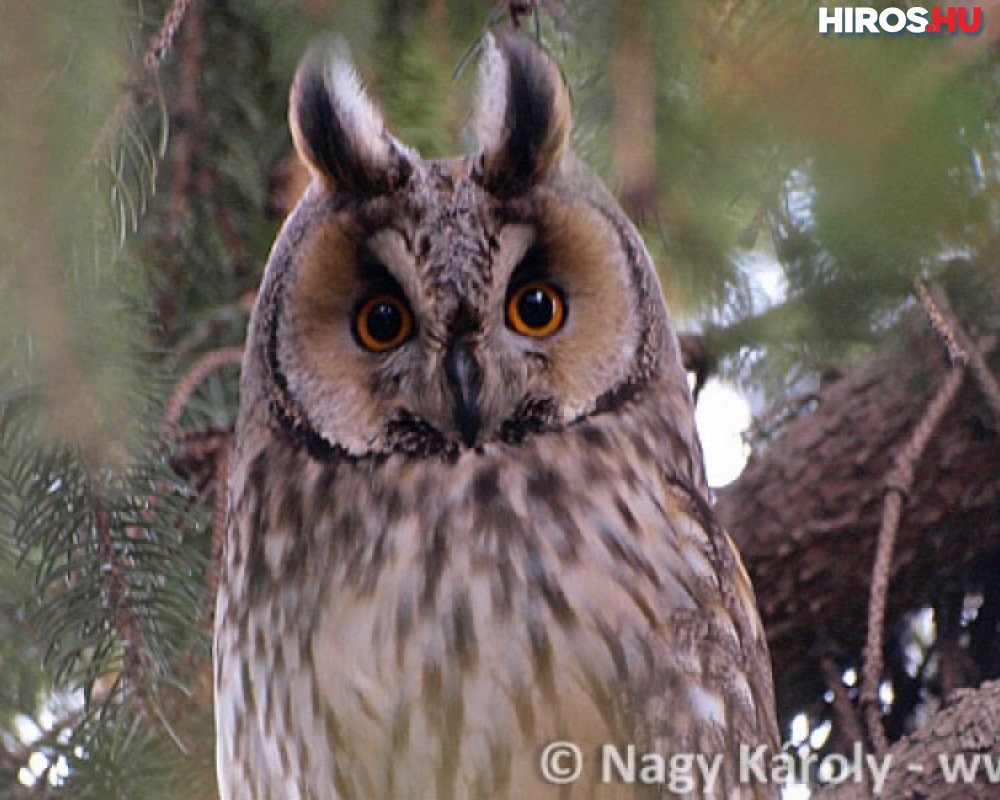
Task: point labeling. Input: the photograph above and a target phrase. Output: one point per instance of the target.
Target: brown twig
(161, 42)
(780, 414)
(157, 49)
(898, 482)
(848, 723)
(184, 119)
(115, 591)
(897, 485)
(943, 327)
(961, 352)
(193, 378)
(187, 114)
(980, 370)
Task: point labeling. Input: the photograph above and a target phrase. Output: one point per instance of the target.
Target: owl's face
(426, 307)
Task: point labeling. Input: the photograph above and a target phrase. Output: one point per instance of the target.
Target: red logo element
(955, 19)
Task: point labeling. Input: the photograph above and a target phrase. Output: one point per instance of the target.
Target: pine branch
(144, 81)
(109, 562)
(98, 520)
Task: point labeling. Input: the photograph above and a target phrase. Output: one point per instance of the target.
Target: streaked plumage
(443, 556)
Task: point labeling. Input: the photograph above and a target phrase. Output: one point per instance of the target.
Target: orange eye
(383, 323)
(536, 309)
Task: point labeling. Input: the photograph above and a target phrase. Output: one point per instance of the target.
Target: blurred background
(824, 213)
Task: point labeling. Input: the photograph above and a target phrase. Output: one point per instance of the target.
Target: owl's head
(429, 306)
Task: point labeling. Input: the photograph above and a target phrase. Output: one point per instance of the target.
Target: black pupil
(384, 322)
(536, 308)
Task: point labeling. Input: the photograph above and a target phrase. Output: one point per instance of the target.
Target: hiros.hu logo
(863, 19)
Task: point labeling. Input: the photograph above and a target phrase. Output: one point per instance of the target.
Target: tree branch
(193, 378)
(898, 484)
(944, 328)
(977, 363)
(969, 727)
(848, 723)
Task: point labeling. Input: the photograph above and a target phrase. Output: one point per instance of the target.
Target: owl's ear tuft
(339, 133)
(523, 116)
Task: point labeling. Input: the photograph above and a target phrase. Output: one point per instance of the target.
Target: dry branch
(977, 364)
(898, 482)
(944, 328)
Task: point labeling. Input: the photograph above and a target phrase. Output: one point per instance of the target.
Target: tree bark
(968, 727)
(806, 511)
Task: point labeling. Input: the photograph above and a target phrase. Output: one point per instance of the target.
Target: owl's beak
(465, 378)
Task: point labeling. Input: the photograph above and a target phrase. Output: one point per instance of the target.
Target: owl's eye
(536, 309)
(383, 323)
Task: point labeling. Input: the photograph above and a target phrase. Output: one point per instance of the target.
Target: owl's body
(467, 499)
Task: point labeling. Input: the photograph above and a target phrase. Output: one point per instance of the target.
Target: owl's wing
(712, 691)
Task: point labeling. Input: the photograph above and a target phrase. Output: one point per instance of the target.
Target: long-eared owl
(468, 511)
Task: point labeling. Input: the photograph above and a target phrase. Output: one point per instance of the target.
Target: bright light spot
(800, 728)
(38, 763)
(46, 719)
(886, 694)
(773, 283)
(25, 777)
(768, 276)
(819, 735)
(60, 772)
(722, 416)
(796, 791)
(924, 634)
(924, 625)
(27, 731)
(851, 677)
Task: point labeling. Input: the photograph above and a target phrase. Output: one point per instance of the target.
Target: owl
(469, 551)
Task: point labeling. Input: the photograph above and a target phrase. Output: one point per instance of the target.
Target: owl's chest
(441, 631)
(456, 639)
